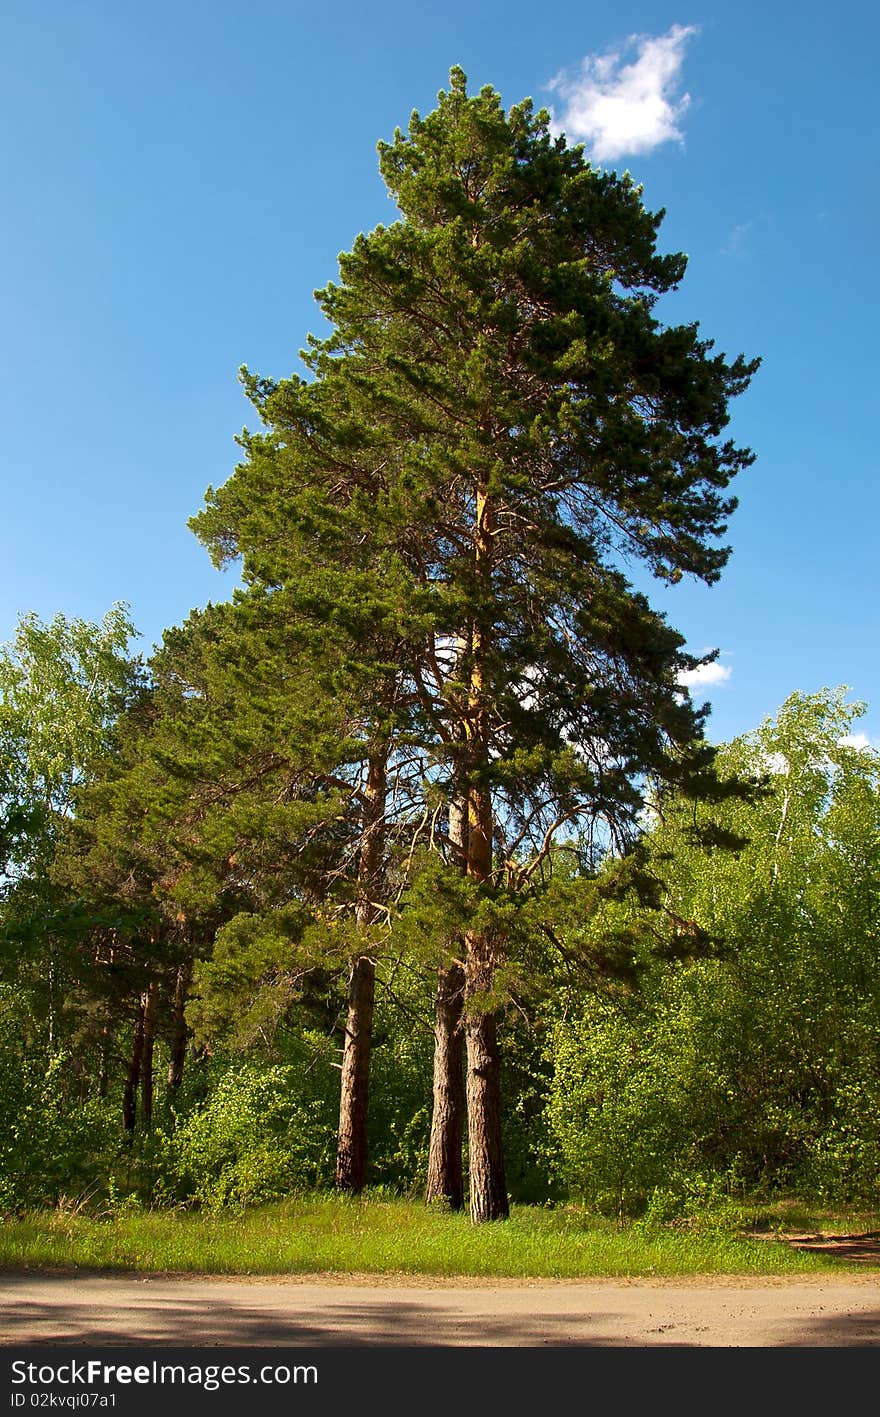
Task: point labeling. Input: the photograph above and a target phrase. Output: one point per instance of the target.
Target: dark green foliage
(498, 343)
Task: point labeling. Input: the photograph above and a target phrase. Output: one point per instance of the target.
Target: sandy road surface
(349, 1311)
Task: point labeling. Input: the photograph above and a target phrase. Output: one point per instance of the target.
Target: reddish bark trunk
(445, 1175)
(488, 1188)
(351, 1151)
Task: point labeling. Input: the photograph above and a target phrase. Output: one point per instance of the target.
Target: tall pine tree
(500, 422)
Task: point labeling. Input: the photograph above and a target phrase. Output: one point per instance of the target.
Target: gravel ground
(351, 1310)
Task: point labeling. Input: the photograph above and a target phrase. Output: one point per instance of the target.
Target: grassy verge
(329, 1233)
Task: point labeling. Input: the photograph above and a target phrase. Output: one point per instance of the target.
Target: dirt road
(348, 1311)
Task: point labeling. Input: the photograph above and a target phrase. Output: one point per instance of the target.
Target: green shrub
(255, 1138)
(52, 1146)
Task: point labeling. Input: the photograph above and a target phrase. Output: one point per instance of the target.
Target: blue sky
(179, 178)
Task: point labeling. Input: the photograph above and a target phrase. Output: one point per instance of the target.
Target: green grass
(379, 1236)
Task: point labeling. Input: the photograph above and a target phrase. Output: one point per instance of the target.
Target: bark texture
(351, 1151)
(488, 1187)
(445, 1175)
(104, 1060)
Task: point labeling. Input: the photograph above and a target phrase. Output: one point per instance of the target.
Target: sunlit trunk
(445, 1175)
(488, 1187)
(351, 1153)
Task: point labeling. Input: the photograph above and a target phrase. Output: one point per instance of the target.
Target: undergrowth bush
(255, 1138)
(52, 1146)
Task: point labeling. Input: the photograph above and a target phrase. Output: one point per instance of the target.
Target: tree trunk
(445, 1176)
(149, 1038)
(351, 1151)
(133, 1077)
(488, 1186)
(177, 1052)
(104, 1060)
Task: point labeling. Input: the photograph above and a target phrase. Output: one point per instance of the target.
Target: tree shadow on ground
(862, 1249)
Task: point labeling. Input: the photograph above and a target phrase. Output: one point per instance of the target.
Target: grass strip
(320, 1234)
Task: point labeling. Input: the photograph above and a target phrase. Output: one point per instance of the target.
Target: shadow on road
(138, 1314)
(183, 1323)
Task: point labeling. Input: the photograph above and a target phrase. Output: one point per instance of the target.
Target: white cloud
(860, 741)
(615, 107)
(704, 675)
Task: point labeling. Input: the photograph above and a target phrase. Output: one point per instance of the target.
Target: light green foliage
(61, 686)
(400, 1075)
(262, 1133)
(759, 1069)
(54, 1138)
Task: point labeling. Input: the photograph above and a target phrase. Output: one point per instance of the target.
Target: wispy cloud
(615, 107)
(704, 675)
(736, 241)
